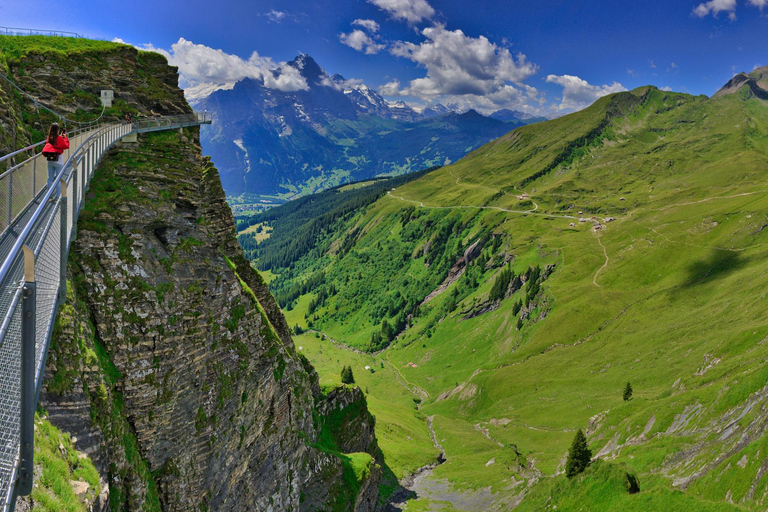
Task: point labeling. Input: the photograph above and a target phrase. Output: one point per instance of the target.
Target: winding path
(497, 208)
(605, 252)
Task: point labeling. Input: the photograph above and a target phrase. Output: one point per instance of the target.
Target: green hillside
(636, 254)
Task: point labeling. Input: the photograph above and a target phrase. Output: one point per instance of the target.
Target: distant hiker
(55, 145)
(128, 118)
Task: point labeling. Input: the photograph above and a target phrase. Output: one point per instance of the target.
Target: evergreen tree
(579, 455)
(386, 331)
(628, 392)
(499, 288)
(346, 375)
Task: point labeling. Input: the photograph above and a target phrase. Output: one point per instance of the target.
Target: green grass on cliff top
(16, 47)
(669, 296)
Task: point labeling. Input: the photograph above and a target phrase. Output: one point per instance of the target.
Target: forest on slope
(516, 292)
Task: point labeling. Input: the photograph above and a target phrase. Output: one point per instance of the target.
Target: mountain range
(271, 142)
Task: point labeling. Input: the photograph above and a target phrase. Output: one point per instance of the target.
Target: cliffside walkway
(37, 227)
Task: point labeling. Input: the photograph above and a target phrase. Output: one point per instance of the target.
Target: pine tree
(579, 455)
(628, 392)
(346, 375)
(499, 288)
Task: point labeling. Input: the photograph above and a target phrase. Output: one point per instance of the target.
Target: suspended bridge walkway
(37, 226)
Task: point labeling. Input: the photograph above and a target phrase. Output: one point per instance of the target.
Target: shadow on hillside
(399, 494)
(719, 264)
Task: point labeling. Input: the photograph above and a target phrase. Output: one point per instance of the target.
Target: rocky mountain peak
(309, 69)
(754, 84)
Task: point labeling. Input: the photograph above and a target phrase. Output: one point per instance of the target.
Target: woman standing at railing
(54, 147)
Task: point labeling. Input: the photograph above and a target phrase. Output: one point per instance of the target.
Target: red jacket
(62, 143)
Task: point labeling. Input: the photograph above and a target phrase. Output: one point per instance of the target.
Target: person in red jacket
(55, 145)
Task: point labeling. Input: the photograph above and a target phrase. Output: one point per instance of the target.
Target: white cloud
(459, 65)
(361, 42)
(715, 7)
(666, 88)
(276, 16)
(391, 88)
(578, 93)
(371, 25)
(412, 11)
(202, 68)
(514, 98)
(759, 3)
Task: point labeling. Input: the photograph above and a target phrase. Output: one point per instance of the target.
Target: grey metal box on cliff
(107, 95)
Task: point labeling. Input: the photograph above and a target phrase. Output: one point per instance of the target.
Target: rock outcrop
(171, 364)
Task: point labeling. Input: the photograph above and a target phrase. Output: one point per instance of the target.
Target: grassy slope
(669, 296)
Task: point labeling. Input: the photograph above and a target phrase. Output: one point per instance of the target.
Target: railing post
(86, 158)
(74, 196)
(10, 198)
(28, 317)
(63, 244)
(34, 177)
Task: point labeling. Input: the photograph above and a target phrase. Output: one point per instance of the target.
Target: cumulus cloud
(516, 98)
(759, 3)
(458, 64)
(715, 7)
(204, 69)
(391, 88)
(361, 42)
(371, 25)
(412, 11)
(666, 88)
(578, 93)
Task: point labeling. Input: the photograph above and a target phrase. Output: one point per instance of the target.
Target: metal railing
(13, 31)
(39, 224)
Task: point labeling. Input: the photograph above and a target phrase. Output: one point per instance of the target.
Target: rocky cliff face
(171, 364)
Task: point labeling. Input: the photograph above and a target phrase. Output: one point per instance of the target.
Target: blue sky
(548, 56)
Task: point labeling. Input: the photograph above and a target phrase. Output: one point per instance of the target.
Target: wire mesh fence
(31, 215)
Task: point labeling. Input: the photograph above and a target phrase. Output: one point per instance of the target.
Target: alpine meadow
(504, 302)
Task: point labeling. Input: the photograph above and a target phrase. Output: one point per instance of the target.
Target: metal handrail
(24, 347)
(5, 268)
(74, 132)
(36, 32)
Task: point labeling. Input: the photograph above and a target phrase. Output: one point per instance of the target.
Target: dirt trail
(412, 388)
(497, 208)
(706, 200)
(605, 252)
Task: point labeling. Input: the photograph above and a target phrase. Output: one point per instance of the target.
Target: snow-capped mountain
(267, 141)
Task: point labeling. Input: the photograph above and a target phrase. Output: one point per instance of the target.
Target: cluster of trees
(387, 333)
(322, 297)
(299, 225)
(347, 377)
(533, 282)
(506, 283)
(287, 292)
